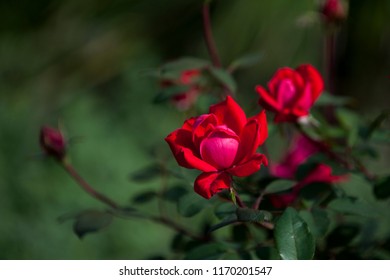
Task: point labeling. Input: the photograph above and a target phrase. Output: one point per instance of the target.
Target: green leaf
(144, 197)
(245, 61)
(224, 78)
(358, 187)
(191, 204)
(175, 193)
(293, 238)
(146, 173)
(167, 93)
(317, 220)
(225, 209)
(327, 99)
(90, 221)
(279, 186)
(375, 124)
(350, 121)
(228, 220)
(253, 215)
(212, 251)
(382, 188)
(185, 63)
(347, 206)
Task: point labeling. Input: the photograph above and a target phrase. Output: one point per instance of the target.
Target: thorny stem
(90, 190)
(86, 187)
(208, 35)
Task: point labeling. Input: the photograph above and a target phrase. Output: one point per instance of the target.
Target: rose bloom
(222, 144)
(185, 100)
(302, 148)
(291, 92)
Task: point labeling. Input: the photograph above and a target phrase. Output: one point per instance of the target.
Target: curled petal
(180, 142)
(263, 126)
(285, 73)
(229, 113)
(249, 167)
(201, 128)
(267, 100)
(249, 141)
(312, 77)
(208, 184)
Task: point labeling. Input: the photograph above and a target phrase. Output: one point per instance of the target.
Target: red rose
(53, 142)
(221, 144)
(291, 92)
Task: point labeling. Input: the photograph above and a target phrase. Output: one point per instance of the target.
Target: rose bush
(222, 144)
(291, 92)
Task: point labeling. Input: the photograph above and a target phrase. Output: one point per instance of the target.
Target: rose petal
(180, 142)
(322, 173)
(220, 148)
(229, 113)
(263, 126)
(208, 184)
(249, 167)
(282, 74)
(202, 127)
(267, 101)
(314, 78)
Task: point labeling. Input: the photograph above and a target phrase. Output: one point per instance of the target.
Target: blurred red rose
(185, 100)
(291, 92)
(53, 142)
(221, 144)
(301, 149)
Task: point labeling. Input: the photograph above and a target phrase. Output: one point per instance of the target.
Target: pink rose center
(220, 148)
(286, 92)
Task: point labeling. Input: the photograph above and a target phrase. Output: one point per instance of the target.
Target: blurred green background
(85, 63)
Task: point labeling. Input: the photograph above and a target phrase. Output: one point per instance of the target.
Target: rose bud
(222, 144)
(53, 142)
(333, 11)
(291, 92)
(302, 148)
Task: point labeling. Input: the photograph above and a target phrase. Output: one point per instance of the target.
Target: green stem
(86, 187)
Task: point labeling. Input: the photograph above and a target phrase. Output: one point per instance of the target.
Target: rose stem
(329, 58)
(208, 35)
(90, 190)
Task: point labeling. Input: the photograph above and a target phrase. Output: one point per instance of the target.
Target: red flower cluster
(301, 149)
(221, 143)
(291, 92)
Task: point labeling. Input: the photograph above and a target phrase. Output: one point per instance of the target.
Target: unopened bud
(334, 11)
(53, 142)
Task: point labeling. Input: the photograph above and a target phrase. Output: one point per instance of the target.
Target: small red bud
(334, 11)
(53, 142)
